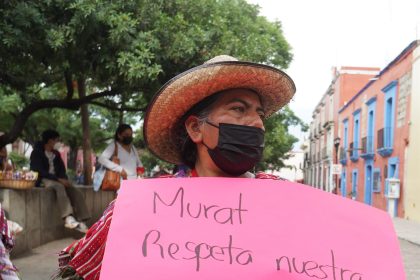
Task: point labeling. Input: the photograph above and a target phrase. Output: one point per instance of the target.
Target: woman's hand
(124, 174)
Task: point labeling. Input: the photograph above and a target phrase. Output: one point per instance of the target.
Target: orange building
(321, 155)
(374, 132)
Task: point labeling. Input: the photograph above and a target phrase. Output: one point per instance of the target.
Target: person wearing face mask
(209, 118)
(127, 154)
(4, 162)
(46, 160)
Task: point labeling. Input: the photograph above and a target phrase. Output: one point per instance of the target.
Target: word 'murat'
(221, 215)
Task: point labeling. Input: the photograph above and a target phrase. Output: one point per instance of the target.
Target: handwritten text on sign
(214, 228)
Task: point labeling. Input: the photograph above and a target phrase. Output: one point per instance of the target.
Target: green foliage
(131, 47)
(278, 141)
(19, 161)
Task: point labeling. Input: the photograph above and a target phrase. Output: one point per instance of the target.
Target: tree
(123, 51)
(278, 141)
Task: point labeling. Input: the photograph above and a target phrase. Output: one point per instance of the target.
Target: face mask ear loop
(206, 145)
(210, 123)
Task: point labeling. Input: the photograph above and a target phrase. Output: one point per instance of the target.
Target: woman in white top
(127, 154)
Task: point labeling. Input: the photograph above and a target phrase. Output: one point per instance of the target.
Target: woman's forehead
(126, 131)
(233, 95)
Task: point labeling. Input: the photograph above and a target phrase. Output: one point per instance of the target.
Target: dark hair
(120, 129)
(201, 110)
(49, 134)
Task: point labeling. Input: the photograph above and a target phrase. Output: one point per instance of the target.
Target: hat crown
(221, 58)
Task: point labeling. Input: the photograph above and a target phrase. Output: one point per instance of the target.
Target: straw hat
(182, 92)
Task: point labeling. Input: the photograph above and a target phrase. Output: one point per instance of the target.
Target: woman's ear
(193, 127)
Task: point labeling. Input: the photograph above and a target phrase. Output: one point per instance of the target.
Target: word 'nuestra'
(221, 215)
(313, 269)
(195, 251)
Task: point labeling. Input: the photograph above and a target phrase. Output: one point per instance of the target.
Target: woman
(127, 154)
(209, 118)
(7, 270)
(4, 164)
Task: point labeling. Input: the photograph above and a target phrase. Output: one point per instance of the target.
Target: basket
(17, 184)
(27, 181)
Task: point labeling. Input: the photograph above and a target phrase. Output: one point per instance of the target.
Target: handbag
(112, 179)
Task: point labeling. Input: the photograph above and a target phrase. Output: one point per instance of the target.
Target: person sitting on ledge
(46, 160)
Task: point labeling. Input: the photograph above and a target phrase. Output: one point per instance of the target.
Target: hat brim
(181, 93)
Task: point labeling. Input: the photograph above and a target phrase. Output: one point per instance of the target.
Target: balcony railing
(367, 147)
(385, 141)
(380, 138)
(354, 152)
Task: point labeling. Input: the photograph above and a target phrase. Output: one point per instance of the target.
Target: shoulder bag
(112, 179)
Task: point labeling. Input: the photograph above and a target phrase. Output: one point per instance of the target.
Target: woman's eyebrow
(246, 104)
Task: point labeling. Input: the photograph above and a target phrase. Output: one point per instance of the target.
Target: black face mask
(127, 140)
(239, 148)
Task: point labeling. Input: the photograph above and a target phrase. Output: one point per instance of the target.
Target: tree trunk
(87, 150)
(121, 116)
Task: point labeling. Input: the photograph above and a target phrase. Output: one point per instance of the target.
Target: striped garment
(7, 270)
(82, 260)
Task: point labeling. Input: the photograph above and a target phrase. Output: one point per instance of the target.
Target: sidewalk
(407, 230)
(41, 263)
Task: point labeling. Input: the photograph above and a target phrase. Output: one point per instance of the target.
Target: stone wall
(37, 211)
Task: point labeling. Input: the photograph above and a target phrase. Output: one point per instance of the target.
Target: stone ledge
(36, 210)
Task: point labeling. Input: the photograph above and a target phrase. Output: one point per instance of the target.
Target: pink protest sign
(219, 228)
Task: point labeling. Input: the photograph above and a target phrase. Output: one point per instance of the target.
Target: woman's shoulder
(84, 257)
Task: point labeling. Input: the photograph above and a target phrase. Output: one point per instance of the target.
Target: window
(346, 133)
(387, 132)
(354, 184)
(343, 149)
(343, 183)
(376, 180)
(368, 142)
(356, 134)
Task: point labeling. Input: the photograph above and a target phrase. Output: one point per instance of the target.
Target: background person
(127, 153)
(4, 162)
(46, 160)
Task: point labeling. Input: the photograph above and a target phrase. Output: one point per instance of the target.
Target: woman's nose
(256, 121)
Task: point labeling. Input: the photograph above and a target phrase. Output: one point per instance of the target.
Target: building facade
(322, 154)
(375, 127)
(412, 172)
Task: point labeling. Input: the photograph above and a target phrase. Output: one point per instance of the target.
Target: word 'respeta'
(195, 251)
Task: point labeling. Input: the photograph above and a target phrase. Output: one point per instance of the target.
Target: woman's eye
(239, 109)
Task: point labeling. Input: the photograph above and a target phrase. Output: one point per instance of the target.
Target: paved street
(42, 262)
(411, 257)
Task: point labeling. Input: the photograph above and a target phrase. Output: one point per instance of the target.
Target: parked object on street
(46, 160)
